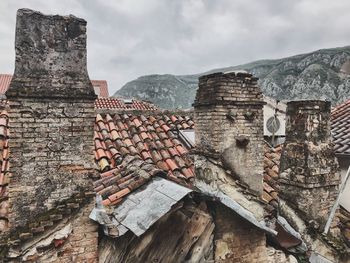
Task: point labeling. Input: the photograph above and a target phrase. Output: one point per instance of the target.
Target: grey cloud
(129, 38)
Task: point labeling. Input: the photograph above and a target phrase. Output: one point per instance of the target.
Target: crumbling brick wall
(50, 155)
(309, 173)
(229, 124)
(80, 244)
(236, 240)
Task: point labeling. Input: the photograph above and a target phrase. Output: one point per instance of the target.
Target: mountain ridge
(321, 74)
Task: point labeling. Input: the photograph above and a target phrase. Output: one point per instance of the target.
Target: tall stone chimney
(229, 124)
(309, 176)
(51, 121)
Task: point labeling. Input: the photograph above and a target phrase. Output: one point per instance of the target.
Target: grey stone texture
(309, 172)
(229, 124)
(236, 240)
(50, 57)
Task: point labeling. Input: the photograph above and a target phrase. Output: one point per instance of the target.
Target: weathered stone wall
(229, 124)
(309, 173)
(278, 256)
(51, 124)
(236, 240)
(51, 158)
(74, 240)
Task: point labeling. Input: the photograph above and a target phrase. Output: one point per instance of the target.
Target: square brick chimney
(228, 112)
(309, 173)
(51, 120)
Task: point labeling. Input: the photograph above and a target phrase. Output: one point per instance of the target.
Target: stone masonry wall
(51, 158)
(51, 120)
(229, 124)
(236, 240)
(309, 173)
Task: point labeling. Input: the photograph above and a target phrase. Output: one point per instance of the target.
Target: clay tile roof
(113, 103)
(5, 80)
(341, 128)
(144, 137)
(102, 85)
(271, 168)
(144, 146)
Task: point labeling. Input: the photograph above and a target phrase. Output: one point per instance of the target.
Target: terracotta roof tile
(5, 80)
(113, 103)
(152, 144)
(172, 165)
(181, 149)
(102, 85)
(271, 170)
(145, 155)
(340, 119)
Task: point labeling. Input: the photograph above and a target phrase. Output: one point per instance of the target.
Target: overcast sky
(130, 38)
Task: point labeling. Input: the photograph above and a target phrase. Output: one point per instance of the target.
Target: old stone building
(80, 184)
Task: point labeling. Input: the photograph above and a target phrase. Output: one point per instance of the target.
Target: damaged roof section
(141, 209)
(131, 149)
(119, 182)
(152, 138)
